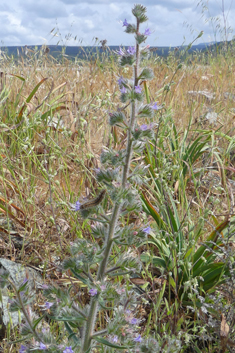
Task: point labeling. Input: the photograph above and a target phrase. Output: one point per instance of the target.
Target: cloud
(45, 8)
(30, 21)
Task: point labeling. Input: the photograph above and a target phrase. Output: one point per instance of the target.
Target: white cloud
(29, 21)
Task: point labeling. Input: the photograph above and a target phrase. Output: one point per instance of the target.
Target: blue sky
(173, 22)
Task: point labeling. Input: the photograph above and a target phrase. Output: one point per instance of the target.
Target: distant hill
(86, 52)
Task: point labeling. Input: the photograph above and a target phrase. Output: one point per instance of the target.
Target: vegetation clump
(146, 262)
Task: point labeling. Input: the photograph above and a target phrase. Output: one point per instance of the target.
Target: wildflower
(138, 339)
(125, 23)
(115, 339)
(93, 292)
(131, 50)
(42, 346)
(22, 349)
(147, 32)
(121, 80)
(138, 89)
(145, 127)
(103, 287)
(68, 350)
(121, 52)
(75, 206)
(48, 305)
(25, 280)
(147, 230)
(155, 106)
(123, 90)
(44, 286)
(134, 321)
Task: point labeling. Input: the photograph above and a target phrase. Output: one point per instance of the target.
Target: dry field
(54, 124)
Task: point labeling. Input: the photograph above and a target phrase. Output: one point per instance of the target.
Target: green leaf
(211, 238)
(109, 344)
(130, 28)
(146, 74)
(71, 333)
(29, 99)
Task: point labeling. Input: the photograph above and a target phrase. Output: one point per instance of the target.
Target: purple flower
(138, 339)
(75, 206)
(115, 339)
(42, 346)
(48, 305)
(155, 106)
(138, 89)
(134, 321)
(93, 292)
(121, 81)
(131, 50)
(22, 349)
(44, 286)
(25, 280)
(68, 350)
(121, 52)
(147, 32)
(125, 23)
(147, 230)
(103, 287)
(144, 127)
(123, 90)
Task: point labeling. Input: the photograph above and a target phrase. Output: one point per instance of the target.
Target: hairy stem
(90, 325)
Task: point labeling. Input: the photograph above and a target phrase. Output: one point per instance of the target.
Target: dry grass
(44, 167)
(86, 91)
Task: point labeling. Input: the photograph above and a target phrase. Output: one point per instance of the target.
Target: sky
(76, 22)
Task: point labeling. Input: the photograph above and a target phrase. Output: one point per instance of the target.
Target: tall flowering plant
(94, 264)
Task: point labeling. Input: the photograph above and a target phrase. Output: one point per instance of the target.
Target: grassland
(53, 126)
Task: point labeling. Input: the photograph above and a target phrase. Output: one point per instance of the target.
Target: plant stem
(90, 325)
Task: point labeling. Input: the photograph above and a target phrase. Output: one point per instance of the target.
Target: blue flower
(22, 349)
(155, 106)
(134, 321)
(147, 32)
(131, 50)
(147, 230)
(138, 89)
(115, 339)
(145, 127)
(125, 23)
(138, 339)
(121, 80)
(68, 350)
(93, 292)
(42, 346)
(123, 90)
(121, 52)
(75, 206)
(48, 305)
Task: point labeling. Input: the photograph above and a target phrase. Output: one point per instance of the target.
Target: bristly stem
(90, 325)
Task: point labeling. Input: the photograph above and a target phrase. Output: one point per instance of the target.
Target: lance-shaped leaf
(145, 111)
(140, 38)
(130, 28)
(139, 12)
(116, 117)
(127, 60)
(146, 74)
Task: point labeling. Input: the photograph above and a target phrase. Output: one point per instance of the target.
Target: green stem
(90, 325)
